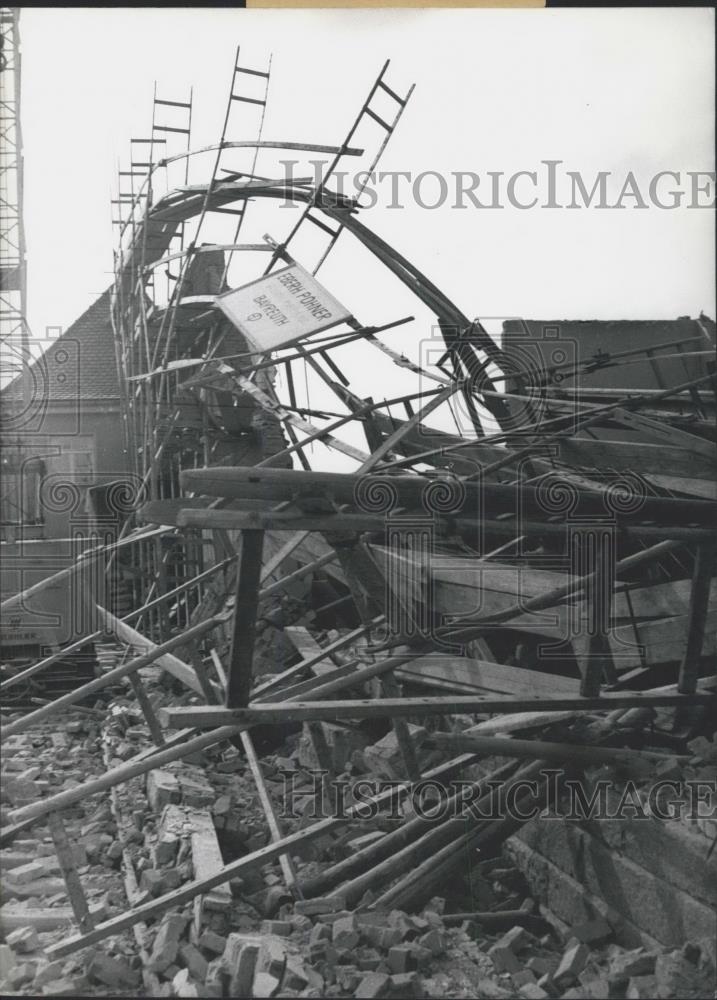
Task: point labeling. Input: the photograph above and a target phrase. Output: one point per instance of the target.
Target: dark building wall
(547, 342)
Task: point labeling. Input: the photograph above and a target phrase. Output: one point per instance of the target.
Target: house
(58, 444)
(68, 437)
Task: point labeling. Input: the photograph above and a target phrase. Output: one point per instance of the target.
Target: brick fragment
(593, 932)
(166, 943)
(272, 956)
(531, 991)
(516, 939)
(162, 788)
(571, 965)
(113, 972)
(294, 974)
(345, 932)
(373, 985)
(490, 990)
(213, 942)
(265, 985)
(282, 928)
(504, 959)
(401, 959)
(195, 962)
(407, 985)
(23, 940)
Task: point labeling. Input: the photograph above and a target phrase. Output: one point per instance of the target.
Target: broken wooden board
(662, 641)
(624, 456)
(482, 675)
(305, 644)
(168, 661)
(183, 821)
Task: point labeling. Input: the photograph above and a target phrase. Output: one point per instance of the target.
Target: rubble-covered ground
(249, 938)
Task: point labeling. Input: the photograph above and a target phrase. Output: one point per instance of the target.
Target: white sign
(281, 307)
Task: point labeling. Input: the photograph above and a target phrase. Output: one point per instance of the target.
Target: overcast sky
(495, 91)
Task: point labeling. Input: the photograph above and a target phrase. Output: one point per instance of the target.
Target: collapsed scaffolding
(448, 546)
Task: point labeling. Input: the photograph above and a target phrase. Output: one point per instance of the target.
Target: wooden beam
(287, 865)
(388, 707)
(244, 626)
(280, 520)
(148, 712)
(580, 754)
(63, 849)
(172, 664)
(704, 572)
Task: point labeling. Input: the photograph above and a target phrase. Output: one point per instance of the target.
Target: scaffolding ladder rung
(229, 211)
(378, 119)
(248, 100)
(169, 128)
(322, 225)
(251, 72)
(392, 93)
(147, 141)
(172, 104)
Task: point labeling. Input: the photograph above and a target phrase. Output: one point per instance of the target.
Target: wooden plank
(388, 707)
(305, 644)
(580, 754)
(172, 664)
(624, 456)
(237, 520)
(704, 488)
(244, 625)
(63, 848)
(487, 676)
(341, 643)
(703, 575)
(662, 641)
(663, 433)
(287, 866)
(207, 859)
(295, 485)
(145, 704)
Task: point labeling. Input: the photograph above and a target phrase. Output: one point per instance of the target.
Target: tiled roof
(80, 364)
